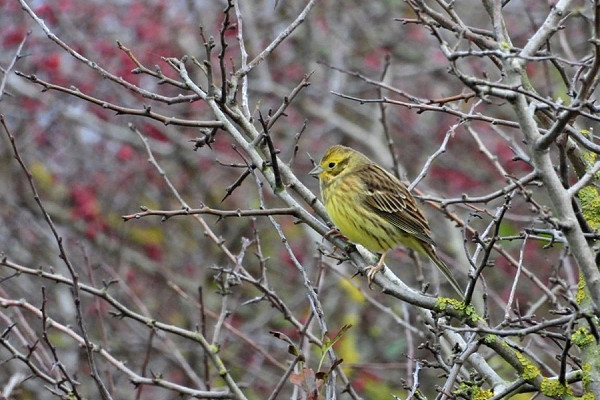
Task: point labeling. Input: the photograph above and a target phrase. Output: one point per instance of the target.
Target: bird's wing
(389, 198)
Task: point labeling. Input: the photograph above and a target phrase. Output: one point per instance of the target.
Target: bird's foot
(371, 271)
(334, 234)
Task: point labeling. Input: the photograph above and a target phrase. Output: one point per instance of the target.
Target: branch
(558, 195)
(145, 112)
(108, 357)
(67, 262)
(166, 214)
(548, 28)
(87, 62)
(11, 64)
(584, 180)
(273, 45)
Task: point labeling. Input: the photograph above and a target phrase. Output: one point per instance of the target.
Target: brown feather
(390, 199)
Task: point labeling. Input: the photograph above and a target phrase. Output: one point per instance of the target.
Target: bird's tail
(430, 250)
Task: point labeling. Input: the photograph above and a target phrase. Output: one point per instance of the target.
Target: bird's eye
(331, 165)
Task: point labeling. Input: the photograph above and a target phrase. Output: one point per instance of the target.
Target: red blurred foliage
(47, 12)
(152, 131)
(374, 60)
(97, 307)
(532, 69)
(131, 276)
(414, 34)
(297, 249)
(189, 270)
(364, 377)
(66, 5)
(153, 252)
(85, 202)
(86, 206)
(32, 104)
(231, 32)
(506, 157)
(13, 36)
(294, 72)
(438, 57)
(94, 228)
(125, 153)
(322, 23)
(455, 181)
(51, 62)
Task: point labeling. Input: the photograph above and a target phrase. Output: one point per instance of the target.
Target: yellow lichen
(530, 370)
(553, 388)
(481, 394)
(590, 205)
(490, 339)
(580, 295)
(586, 379)
(588, 156)
(463, 389)
(582, 337)
(589, 196)
(473, 392)
(466, 311)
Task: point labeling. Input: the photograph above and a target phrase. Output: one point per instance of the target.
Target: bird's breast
(346, 208)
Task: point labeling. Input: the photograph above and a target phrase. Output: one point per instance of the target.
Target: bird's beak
(316, 171)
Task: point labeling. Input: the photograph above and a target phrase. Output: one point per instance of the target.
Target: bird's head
(337, 160)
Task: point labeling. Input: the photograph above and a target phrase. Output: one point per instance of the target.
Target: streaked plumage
(371, 207)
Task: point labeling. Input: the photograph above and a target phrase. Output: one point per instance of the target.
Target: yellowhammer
(371, 207)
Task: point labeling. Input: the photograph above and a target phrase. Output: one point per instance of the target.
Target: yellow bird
(371, 207)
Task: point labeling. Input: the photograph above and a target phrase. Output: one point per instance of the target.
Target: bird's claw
(371, 271)
(334, 234)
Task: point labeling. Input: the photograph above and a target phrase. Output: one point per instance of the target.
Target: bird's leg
(334, 234)
(372, 270)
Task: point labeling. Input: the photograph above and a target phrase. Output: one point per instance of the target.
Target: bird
(373, 208)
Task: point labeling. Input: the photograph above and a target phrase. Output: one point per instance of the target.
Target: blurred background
(90, 169)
